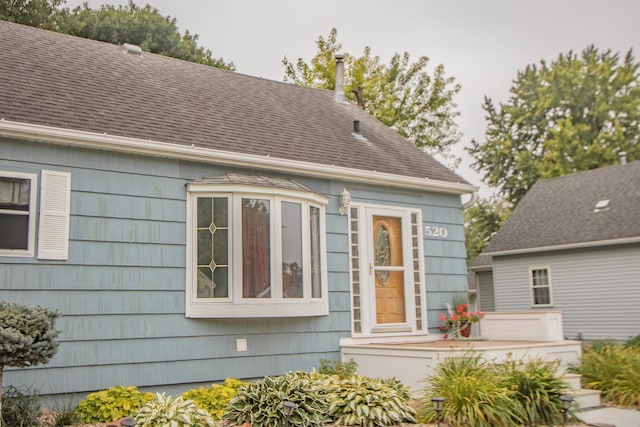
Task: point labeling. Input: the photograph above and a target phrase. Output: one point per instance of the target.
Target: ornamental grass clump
(537, 386)
(614, 370)
(473, 393)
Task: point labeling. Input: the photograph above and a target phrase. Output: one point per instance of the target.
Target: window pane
(221, 282)
(14, 231)
(14, 193)
(205, 283)
(212, 247)
(316, 267)
(205, 247)
(292, 250)
(541, 296)
(256, 261)
(205, 212)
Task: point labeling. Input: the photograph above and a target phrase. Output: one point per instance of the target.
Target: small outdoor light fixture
(345, 202)
(438, 404)
(128, 422)
(288, 410)
(566, 404)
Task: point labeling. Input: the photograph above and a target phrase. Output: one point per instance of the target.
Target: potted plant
(458, 322)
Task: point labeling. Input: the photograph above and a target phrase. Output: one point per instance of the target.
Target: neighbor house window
(541, 286)
(255, 251)
(17, 213)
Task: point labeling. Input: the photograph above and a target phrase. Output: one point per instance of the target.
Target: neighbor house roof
(118, 99)
(596, 207)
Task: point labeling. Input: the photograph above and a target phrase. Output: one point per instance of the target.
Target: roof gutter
(611, 242)
(104, 141)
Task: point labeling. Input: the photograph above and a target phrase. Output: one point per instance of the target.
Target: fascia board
(104, 141)
(612, 242)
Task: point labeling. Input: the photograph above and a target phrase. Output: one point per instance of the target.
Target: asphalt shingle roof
(62, 81)
(560, 211)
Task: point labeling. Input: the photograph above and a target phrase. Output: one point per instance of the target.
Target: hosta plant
(362, 401)
(167, 411)
(214, 399)
(111, 404)
(262, 403)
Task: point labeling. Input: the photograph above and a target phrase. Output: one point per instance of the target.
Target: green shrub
(20, 408)
(167, 411)
(633, 342)
(362, 401)
(63, 414)
(537, 388)
(215, 399)
(612, 369)
(112, 404)
(261, 403)
(473, 394)
(335, 367)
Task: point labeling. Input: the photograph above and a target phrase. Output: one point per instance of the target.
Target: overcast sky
(482, 43)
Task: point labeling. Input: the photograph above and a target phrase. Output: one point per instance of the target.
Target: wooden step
(586, 398)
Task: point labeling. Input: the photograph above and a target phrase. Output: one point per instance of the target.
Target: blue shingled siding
(122, 290)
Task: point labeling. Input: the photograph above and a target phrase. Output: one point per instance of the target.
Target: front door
(388, 270)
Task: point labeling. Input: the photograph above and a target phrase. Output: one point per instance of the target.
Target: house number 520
(436, 232)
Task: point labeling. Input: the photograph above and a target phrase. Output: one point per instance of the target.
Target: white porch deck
(521, 336)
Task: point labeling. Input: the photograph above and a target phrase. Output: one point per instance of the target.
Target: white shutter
(55, 200)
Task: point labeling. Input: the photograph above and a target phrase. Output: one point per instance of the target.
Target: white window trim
(30, 251)
(368, 322)
(549, 287)
(236, 306)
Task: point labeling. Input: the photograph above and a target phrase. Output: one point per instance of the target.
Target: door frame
(365, 235)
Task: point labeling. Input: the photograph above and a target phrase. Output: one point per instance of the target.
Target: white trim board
(104, 141)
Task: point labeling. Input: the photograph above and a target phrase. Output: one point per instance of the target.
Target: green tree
(481, 221)
(574, 114)
(35, 13)
(28, 336)
(403, 95)
(141, 26)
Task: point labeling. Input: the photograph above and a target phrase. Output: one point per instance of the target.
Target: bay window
(255, 251)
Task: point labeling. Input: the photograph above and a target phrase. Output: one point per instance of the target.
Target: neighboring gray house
(572, 244)
(193, 224)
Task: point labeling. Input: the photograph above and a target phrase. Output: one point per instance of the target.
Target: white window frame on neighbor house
(533, 286)
(30, 213)
(273, 302)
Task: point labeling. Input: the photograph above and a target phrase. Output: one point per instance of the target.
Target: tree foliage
(35, 13)
(141, 26)
(481, 221)
(28, 336)
(402, 94)
(574, 114)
